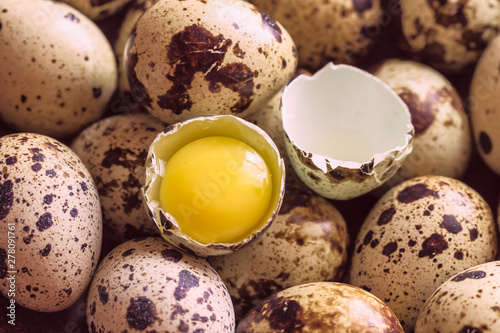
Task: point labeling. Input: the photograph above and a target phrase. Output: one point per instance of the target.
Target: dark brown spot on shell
(386, 216)
(416, 192)
(451, 224)
(422, 113)
(128, 252)
(459, 255)
(390, 248)
(469, 275)
(45, 251)
(362, 5)
(44, 222)
(131, 60)
(485, 143)
(103, 294)
(433, 246)
(96, 92)
(271, 25)
(172, 255)
(337, 174)
(11, 160)
(140, 313)
(71, 17)
(73, 212)
(473, 234)
(186, 281)
(36, 167)
(6, 198)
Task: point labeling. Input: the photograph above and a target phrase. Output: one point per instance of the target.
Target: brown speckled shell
(114, 150)
(448, 35)
(467, 302)
(340, 31)
(437, 116)
(147, 285)
(98, 9)
(50, 203)
(321, 307)
(192, 57)
(417, 235)
(53, 83)
(483, 100)
(307, 242)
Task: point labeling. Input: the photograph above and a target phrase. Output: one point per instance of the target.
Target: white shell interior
(345, 114)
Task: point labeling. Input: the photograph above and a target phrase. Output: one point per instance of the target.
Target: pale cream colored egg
(419, 234)
(189, 58)
(51, 220)
(147, 285)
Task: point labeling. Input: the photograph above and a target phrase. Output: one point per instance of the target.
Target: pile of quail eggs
(401, 237)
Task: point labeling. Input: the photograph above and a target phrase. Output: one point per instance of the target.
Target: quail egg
(321, 307)
(147, 285)
(307, 242)
(114, 150)
(194, 57)
(420, 233)
(51, 221)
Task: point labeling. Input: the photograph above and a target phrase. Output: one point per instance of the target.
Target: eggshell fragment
(307, 242)
(338, 31)
(321, 307)
(484, 97)
(114, 150)
(419, 234)
(53, 83)
(51, 220)
(448, 35)
(147, 285)
(442, 142)
(346, 132)
(193, 57)
(467, 302)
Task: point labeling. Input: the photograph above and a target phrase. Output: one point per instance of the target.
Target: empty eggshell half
(346, 132)
(180, 134)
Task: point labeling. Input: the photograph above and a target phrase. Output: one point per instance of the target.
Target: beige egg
(448, 35)
(195, 57)
(58, 70)
(51, 221)
(114, 150)
(321, 307)
(417, 235)
(467, 302)
(97, 10)
(307, 242)
(442, 142)
(147, 285)
(483, 101)
(338, 31)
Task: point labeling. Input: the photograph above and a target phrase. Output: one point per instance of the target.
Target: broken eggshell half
(346, 132)
(178, 135)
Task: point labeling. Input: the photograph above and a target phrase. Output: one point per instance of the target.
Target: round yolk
(217, 188)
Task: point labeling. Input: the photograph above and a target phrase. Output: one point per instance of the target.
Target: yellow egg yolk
(217, 188)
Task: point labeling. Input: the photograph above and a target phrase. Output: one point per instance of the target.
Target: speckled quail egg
(196, 57)
(448, 35)
(307, 242)
(442, 142)
(114, 150)
(467, 302)
(417, 235)
(58, 70)
(99, 9)
(51, 221)
(346, 132)
(131, 100)
(321, 307)
(213, 183)
(147, 285)
(483, 101)
(340, 31)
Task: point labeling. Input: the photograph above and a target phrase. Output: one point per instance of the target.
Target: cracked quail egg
(213, 183)
(188, 58)
(307, 242)
(346, 132)
(420, 233)
(114, 150)
(442, 142)
(58, 69)
(147, 285)
(321, 307)
(48, 200)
